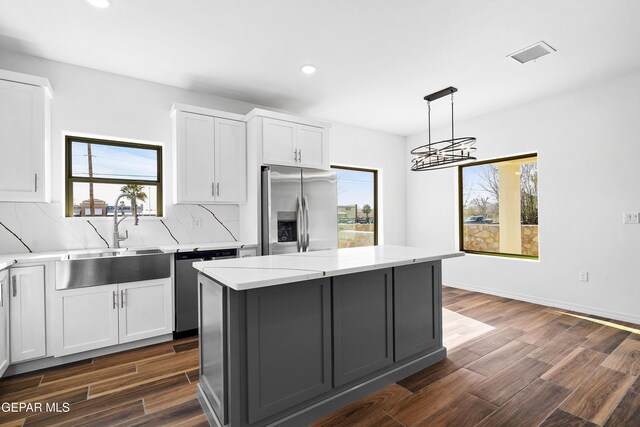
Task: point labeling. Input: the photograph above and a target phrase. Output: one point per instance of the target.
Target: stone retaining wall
(486, 238)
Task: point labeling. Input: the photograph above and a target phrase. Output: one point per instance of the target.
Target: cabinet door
(362, 324)
(146, 309)
(312, 147)
(230, 161)
(194, 157)
(4, 321)
(278, 142)
(85, 319)
(288, 331)
(417, 309)
(27, 313)
(22, 142)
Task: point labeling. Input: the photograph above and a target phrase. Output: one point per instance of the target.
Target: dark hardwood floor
(539, 366)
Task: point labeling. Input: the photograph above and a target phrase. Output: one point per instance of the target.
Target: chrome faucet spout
(117, 237)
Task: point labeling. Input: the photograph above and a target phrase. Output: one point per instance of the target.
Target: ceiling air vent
(533, 52)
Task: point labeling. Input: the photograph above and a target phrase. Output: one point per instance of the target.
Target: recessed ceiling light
(102, 4)
(308, 68)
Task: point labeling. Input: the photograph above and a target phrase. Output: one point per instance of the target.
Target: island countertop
(257, 272)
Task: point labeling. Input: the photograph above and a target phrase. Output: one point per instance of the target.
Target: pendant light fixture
(444, 153)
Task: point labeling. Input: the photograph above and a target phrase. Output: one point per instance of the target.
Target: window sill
(503, 256)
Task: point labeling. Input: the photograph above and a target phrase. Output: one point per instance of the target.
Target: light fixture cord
(452, 134)
(429, 114)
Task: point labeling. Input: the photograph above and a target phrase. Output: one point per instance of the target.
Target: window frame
(375, 194)
(461, 209)
(70, 179)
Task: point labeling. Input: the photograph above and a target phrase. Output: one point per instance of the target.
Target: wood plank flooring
(510, 363)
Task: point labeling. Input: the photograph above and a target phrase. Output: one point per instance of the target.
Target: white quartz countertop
(194, 247)
(8, 260)
(256, 272)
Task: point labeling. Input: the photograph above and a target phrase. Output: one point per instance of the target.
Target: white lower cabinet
(145, 309)
(4, 321)
(101, 316)
(27, 313)
(85, 319)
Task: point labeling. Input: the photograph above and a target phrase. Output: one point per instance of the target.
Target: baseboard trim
(624, 317)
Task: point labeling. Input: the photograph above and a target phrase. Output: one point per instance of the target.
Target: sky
(355, 187)
(113, 162)
(472, 179)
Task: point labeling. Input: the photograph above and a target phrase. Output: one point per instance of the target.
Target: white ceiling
(376, 59)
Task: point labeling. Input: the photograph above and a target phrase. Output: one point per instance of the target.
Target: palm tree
(366, 210)
(136, 191)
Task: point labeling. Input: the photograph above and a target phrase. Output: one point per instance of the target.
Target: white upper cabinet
(25, 108)
(312, 147)
(195, 152)
(279, 143)
(27, 313)
(4, 321)
(230, 173)
(289, 141)
(209, 156)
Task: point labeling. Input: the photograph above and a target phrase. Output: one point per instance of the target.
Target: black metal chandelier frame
(445, 153)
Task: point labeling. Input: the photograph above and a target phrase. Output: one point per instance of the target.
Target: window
(97, 171)
(357, 207)
(499, 207)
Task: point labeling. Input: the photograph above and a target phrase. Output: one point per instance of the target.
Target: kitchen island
(286, 339)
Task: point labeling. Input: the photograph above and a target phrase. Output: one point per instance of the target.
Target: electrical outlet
(631, 218)
(195, 222)
(583, 276)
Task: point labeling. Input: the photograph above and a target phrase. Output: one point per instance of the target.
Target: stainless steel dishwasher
(186, 298)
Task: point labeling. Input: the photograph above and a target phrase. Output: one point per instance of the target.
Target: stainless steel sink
(110, 267)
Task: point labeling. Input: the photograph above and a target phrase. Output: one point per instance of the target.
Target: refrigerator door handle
(299, 226)
(305, 203)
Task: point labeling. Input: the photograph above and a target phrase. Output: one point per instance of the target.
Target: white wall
(102, 104)
(588, 152)
(353, 146)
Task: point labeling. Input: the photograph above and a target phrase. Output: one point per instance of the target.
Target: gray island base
(287, 339)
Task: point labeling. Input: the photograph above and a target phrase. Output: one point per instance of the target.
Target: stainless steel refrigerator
(299, 210)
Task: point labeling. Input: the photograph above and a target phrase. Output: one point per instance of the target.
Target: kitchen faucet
(117, 237)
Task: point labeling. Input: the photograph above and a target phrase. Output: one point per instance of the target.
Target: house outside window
(97, 171)
(498, 201)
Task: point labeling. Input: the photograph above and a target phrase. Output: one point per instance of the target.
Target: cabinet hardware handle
(300, 155)
(218, 189)
(15, 286)
(122, 294)
(2, 294)
(115, 300)
(213, 193)
(295, 155)
(36, 183)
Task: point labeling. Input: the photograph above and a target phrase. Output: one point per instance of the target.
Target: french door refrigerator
(299, 210)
